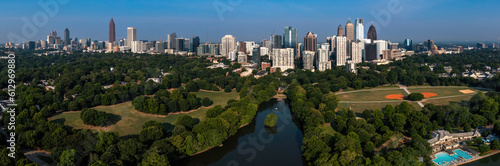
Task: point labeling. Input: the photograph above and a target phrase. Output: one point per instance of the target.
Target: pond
(256, 144)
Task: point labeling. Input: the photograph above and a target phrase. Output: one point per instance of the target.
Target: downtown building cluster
(348, 47)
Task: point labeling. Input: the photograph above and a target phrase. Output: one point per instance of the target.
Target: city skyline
(410, 22)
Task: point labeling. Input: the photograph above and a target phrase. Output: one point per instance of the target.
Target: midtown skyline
(418, 21)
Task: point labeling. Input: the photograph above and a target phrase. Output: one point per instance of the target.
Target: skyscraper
(228, 45)
(290, 38)
(112, 34)
(242, 47)
(256, 56)
(323, 58)
(349, 30)
(179, 44)
(171, 40)
(357, 52)
(194, 43)
(408, 44)
(277, 41)
(341, 53)
(308, 60)
(429, 43)
(131, 35)
(360, 29)
(310, 42)
(283, 58)
(372, 33)
(340, 31)
(66, 37)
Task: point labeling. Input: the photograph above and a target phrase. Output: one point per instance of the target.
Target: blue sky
(249, 20)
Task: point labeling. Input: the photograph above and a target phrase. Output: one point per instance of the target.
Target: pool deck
(493, 152)
(474, 158)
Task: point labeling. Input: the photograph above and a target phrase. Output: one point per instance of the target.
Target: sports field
(130, 121)
(370, 99)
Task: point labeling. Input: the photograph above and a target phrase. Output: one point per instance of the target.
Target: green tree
(185, 120)
(415, 97)
(271, 120)
(205, 101)
(495, 144)
(68, 158)
(154, 159)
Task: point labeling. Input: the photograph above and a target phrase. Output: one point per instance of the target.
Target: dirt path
(32, 156)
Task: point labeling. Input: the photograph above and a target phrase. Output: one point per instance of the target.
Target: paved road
(31, 155)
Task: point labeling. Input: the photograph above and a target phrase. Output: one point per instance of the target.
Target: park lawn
(370, 95)
(129, 121)
(359, 108)
(462, 99)
(441, 91)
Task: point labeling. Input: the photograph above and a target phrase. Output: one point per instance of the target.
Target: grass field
(369, 95)
(130, 121)
(370, 99)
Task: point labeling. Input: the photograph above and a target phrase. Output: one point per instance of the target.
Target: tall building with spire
(359, 30)
(349, 30)
(340, 31)
(310, 42)
(372, 33)
(290, 38)
(66, 37)
(112, 34)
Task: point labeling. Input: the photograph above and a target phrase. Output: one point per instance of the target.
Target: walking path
(408, 92)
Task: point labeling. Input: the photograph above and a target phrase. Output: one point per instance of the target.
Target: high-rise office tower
(179, 44)
(131, 35)
(341, 50)
(256, 56)
(283, 58)
(360, 29)
(171, 40)
(52, 38)
(310, 42)
(66, 37)
(290, 38)
(381, 46)
(323, 58)
(372, 33)
(112, 34)
(277, 41)
(194, 43)
(308, 60)
(357, 52)
(242, 47)
(429, 44)
(160, 47)
(249, 47)
(340, 31)
(408, 44)
(228, 45)
(349, 30)
(187, 43)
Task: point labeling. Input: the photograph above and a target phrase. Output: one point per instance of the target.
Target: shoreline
(493, 152)
(209, 148)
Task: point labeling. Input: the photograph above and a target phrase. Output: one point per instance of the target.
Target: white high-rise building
(249, 45)
(264, 51)
(341, 50)
(232, 55)
(357, 52)
(228, 45)
(381, 46)
(160, 47)
(131, 35)
(359, 30)
(283, 58)
(323, 58)
(171, 40)
(137, 47)
(308, 60)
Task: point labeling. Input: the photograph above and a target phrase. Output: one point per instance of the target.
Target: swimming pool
(443, 158)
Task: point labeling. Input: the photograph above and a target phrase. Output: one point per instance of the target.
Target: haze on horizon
(444, 20)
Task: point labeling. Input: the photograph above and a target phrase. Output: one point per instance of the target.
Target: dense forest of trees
(79, 82)
(164, 102)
